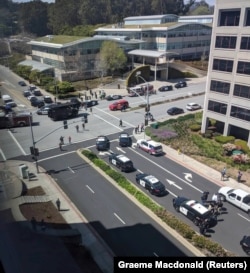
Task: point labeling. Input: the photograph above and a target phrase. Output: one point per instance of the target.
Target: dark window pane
(225, 42)
(229, 18)
(217, 107)
(247, 18)
(243, 68)
(240, 113)
(221, 87)
(242, 91)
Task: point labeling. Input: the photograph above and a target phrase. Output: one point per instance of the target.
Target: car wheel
(151, 192)
(21, 124)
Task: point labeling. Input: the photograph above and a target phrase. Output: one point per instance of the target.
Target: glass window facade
(229, 17)
(217, 107)
(223, 65)
(243, 68)
(247, 21)
(220, 87)
(225, 42)
(242, 91)
(245, 43)
(240, 113)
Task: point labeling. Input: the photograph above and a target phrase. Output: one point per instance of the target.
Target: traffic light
(65, 124)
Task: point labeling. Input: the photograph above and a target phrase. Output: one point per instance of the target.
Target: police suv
(121, 162)
(193, 210)
(102, 143)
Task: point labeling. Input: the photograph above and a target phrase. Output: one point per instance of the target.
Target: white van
(6, 98)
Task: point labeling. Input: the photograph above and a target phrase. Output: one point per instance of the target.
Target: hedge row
(183, 229)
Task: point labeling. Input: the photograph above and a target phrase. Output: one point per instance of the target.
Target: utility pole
(34, 150)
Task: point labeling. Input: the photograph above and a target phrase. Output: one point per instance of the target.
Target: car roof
(102, 138)
(123, 135)
(192, 103)
(152, 179)
(123, 158)
(154, 143)
(241, 192)
(196, 206)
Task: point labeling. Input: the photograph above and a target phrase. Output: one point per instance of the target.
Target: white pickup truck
(237, 197)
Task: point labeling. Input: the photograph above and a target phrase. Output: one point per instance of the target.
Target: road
(178, 179)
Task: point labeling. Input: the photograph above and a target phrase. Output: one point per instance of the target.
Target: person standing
(223, 173)
(239, 176)
(83, 126)
(58, 204)
(62, 140)
(69, 139)
(77, 128)
(120, 123)
(136, 129)
(60, 146)
(142, 127)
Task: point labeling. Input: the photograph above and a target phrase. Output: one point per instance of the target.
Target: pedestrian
(83, 126)
(58, 204)
(142, 127)
(215, 198)
(120, 123)
(90, 109)
(95, 95)
(43, 225)
(136, 129)
(62, 140)
(33, 223)
(55, 99)
(239, 176)
(69, 139)
(60, 146)
(204, 197)
(77, 128)
(223, 173)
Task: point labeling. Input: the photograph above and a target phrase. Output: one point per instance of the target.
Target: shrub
(186, 117)
(224, 139)
(195, 127)
(243, 145)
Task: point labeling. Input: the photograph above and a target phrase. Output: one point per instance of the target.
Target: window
(243, 68)
(223, 65)
(225, 42)
(247, 22)
(245, 43)
(240, 113)
(218, 107)
(242, 91)
(221, 87)
(229, 18)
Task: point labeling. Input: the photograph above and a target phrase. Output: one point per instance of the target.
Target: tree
(112, 57)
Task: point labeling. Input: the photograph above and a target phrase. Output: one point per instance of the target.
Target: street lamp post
(144, 129)
(147, 102)
(34, 150)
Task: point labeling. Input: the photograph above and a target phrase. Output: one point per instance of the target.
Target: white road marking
(243, 217)
(87, 186)
(17, 143)
(71, 170)
(119, 218)
(172, 183)
(121, 150)
(139, 171)
(188, 177)
(3, 156)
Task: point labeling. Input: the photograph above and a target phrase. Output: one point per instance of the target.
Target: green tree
(112, 57)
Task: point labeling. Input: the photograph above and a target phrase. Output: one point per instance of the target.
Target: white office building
(227, 97)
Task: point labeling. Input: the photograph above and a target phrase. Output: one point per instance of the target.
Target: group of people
(61, 143)
(224, 175)
(214, 205)
(139, 128)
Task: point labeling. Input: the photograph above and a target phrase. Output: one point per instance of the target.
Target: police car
(194, 211)
(150, 183)
(102, 143)
(125, 140)
(121, 162)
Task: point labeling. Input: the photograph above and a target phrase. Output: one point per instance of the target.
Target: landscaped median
(204, 244)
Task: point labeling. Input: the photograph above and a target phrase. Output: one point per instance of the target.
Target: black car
(37, 103)
(121, 162)
(150, 183)
(175, 111)
(22, 83)
(165, 88)
(194, 211)
(37, 92)
(125, 140)
(90, 103)
(113, 97)
(102, 143)
(245, 244)
(180, 84)
(47, 99)
(76, 101)
(27, 93)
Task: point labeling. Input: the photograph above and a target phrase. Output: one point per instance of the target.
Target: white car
(192, 106)
(30, 97)
(237, 197)
(150, 146)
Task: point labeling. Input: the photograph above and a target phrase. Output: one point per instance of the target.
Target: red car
(119, 105)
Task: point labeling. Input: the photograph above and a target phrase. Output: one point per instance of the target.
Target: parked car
(166, 88)
(37, 92)
(125, 140)
(192, 106)
(47, 99)
(150, 146)
(180, 84)
(133, 94)
(175, 111)
(32, 97)
(118, 105)
(245, 244)
(113, 97)
(43, 110)
(91, 103)
(237, 197)
(11, 104)
(102, 143)
(194, 211)
(151, 183)
(27, 93)
(32, 87)
(22, 83)
(37, 103)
